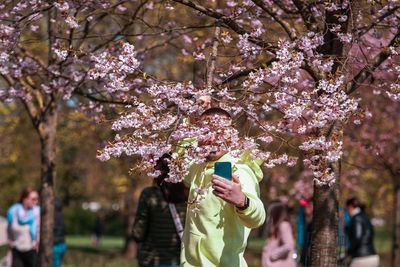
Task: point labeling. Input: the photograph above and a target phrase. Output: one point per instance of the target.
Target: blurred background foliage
(83, 179)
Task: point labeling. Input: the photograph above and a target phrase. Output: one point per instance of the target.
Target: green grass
(85, 258)
(108, 254)
(383, 240)
(109, 243)
(81, 253)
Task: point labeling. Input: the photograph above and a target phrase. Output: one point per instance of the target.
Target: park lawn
(81, 253)
(108, 254)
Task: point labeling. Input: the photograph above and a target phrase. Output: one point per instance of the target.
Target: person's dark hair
(162, 165)
(353, 202)
(356, 203)
(277, 212)
(215, 111)
(172, 192)
(25, 193)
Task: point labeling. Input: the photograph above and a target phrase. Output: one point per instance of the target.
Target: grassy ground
(81, 253)
(107, 254)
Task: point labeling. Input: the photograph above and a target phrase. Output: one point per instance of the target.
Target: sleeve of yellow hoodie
(254, 215)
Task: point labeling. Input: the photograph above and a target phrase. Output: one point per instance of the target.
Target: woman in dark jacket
(154, 226)
(361, 236)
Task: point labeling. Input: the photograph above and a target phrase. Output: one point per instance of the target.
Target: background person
(23, 229)
(154, 226)
(361, 236)
(98, 228)
(343, 240)
(59, 246)
(304, 230)
(279, 246)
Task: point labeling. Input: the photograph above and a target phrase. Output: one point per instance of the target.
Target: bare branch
(285, 25)
(115, 35)
(50, 34)
(214, 54)
(35, 12)
(385, 15)
(283, 7)
(226, 20)
(369, 69)
(99, 100)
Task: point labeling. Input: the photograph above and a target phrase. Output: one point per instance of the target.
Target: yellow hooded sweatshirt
(217, 234)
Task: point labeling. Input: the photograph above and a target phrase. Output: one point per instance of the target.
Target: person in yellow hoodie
(217, 227)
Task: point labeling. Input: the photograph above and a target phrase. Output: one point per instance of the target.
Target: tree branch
(100, 100)
(385, 15)
(285, 25)
(245, 72)
(122, 29)
(367, 70)
(226, 20)
(50, 36)
(214, 54)
(283, 7)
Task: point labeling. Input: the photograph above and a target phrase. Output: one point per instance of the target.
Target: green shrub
(78, 221)
(114, 224)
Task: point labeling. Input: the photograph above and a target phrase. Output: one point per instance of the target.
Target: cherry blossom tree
(290, 68)
(289, 71)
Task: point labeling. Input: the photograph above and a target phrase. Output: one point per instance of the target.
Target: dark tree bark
(46, 124)
(325, 226)
(130, 247)
(47, 132)
(324, 235)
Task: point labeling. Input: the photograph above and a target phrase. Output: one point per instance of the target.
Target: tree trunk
(47, 130)
(130, 247)
(396, 222)
(325, 225)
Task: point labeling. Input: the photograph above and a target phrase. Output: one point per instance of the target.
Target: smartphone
(223, 169)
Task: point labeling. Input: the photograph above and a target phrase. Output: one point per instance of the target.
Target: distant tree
(18, 143)
(46, 50)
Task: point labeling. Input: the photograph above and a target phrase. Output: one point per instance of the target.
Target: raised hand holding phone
(229, 190)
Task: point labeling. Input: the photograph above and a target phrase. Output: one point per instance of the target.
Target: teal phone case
(223, 169)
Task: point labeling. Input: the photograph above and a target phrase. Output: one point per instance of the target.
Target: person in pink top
(279, 247)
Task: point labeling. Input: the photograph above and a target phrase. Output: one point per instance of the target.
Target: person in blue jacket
(304, 230)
